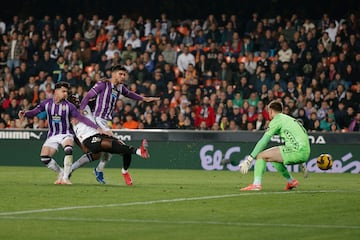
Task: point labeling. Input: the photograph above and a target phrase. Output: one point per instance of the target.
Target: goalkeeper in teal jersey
(296, 149)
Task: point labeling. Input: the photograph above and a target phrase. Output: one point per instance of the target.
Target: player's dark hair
(118, 68)
(74, 99)
(277, 106)
(62, 84)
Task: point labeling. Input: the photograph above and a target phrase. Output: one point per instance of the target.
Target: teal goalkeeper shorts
(292, 156)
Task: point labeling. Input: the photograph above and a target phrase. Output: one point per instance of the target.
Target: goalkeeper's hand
(245, 165)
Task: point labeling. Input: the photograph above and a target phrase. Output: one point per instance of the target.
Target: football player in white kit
(93, 144)
(106, 93)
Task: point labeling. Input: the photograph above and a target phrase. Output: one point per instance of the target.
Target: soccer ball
(324, 161)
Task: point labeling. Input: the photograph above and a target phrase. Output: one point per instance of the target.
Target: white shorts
(55, 141)
(102, 123)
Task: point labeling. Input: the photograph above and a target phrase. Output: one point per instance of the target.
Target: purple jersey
(59, 115)
(107, 95)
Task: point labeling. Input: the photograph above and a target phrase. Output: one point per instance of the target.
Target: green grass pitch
(176, 204)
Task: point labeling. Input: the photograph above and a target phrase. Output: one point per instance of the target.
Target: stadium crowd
(217, 73)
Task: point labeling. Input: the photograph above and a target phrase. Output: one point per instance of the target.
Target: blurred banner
(177, 149)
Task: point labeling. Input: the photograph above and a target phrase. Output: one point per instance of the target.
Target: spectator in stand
(149, 64)
(326, 123)
(169, 54)
(168, 73)
(250, 64)
(247, 46)
(84, 52)
(308, 25)
(184, 60)
(285, 52)
(134, 41)
(235, 115)
(174, 36)
(312, 61)
(130, 123)
(129, 53)
(355, 123)
(15, 50)
(112, 49)
(205, 113)
(90, 35)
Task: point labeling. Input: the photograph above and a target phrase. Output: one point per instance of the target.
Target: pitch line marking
(238, 224)
(158, 201)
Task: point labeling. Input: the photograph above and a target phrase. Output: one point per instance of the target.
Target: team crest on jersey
(114, 93)
(56, 118)
(63, 107)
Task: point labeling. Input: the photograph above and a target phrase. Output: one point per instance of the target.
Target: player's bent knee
(45, 159)
(90, 156)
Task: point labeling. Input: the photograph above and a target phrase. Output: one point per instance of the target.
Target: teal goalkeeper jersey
(289, 129)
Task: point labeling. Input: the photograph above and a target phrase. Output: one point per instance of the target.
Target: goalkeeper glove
(245, 165)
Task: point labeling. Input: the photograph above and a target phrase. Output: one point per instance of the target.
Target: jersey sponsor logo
(114, 93)
(291, 139)
(95, 139)
(56, 118)
(312, 139)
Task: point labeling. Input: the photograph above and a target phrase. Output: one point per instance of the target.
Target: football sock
(54, 166)
(105, 157)
(85, 158)
(126, 161)
(68, 159)
(123, 171)
(100, 166)
(138, 152)
(259, 169)
(280, 167)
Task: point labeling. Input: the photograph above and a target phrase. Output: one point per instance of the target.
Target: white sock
(68, 159)
(100, 166)
(257, 181)
(123, 171)
(105, 158)
(80, 162)
(54, 166)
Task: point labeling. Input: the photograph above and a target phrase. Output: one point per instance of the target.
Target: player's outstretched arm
(151, 99)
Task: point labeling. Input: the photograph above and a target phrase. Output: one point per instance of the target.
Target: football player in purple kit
(59, 113)
(107, 92)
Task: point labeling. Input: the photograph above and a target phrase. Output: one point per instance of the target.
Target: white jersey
(83, 131)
